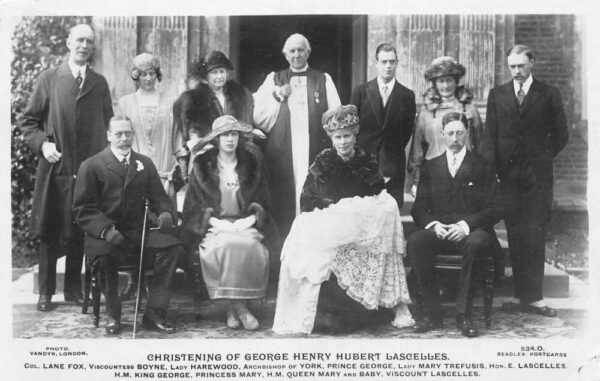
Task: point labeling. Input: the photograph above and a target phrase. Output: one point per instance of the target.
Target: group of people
(287, 185)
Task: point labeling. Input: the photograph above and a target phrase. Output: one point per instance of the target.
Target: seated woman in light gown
(226, 212)
(345, 249)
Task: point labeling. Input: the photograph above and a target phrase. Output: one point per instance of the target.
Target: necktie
(453, 166)
(124, 163)
(521, 95)
(385, 95)
(79, 79)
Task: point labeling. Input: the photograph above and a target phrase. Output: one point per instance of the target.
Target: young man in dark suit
(525, 129)
(456, 207)
(64, 123)
(108, 206)
(386, 111)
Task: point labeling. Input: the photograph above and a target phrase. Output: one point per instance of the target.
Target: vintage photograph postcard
(320, 190)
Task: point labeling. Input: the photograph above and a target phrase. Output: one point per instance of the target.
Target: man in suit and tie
(108, 205)
(455, 208)
(387, 118)
(525, 129)
(64, 123)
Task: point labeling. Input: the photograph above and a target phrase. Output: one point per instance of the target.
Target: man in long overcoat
(64, 123)
(525, 129)
(108, 205)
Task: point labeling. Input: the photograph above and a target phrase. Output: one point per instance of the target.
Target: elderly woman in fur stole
(343, 255)
(226, 212)
(196, 109)
(445, 95)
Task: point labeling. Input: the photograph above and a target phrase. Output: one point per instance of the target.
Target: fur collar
(205, 166)
(329, 165)
(433, 100)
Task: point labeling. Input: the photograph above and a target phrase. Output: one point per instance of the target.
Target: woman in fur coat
(226, 213)
(343, 255)
(195, 110)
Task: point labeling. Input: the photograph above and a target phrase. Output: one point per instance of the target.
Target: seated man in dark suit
(456, 207)
(108, 205)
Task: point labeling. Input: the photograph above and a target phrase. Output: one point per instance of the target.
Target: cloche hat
(225, 124)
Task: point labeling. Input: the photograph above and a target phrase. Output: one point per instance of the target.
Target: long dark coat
(203, 197)
(385, 132)
(76, 120)
(330, 179)
(196, 109)
(108, 194)
(533, 133)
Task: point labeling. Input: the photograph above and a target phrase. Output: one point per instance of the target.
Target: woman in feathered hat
(226, 214)
(217, 94)
(445, 95)
(345, 245)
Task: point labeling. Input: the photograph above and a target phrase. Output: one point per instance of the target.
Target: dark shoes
(544, 311)
(113, 326)
(465, 325)
(161, 325)
(426, 324)
(512, 307)
(44, 303)
(74, 297)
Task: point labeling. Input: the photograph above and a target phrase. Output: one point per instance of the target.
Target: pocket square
(470, 184)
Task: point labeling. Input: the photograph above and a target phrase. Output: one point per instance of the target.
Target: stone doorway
(257, 42)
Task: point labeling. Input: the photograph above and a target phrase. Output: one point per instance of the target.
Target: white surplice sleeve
(266, 107)
(333, 99)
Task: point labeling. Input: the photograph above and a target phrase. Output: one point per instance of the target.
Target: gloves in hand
(165, 221)
(183, 168)
(115, 238)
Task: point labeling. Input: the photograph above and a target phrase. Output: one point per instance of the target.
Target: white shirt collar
(381, 84)
(119, 156)
(460, 155)
(526, 84)
(305, 68)
(77, 69)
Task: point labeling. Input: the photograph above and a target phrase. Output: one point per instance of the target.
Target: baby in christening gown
(351, 227)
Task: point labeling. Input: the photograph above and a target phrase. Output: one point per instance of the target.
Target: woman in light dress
(152, 117)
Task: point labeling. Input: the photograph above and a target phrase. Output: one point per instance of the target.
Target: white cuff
(432, 223)
(464, 226)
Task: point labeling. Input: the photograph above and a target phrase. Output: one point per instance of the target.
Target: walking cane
(137, 295)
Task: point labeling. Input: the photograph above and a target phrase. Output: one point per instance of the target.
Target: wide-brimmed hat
(225, 124)
(341, 117)
(444, 67)
(143, 62)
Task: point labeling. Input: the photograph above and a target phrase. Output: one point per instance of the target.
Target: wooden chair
(92, 284)
(452, 262)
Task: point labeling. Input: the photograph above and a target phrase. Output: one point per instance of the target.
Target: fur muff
(203, 192)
